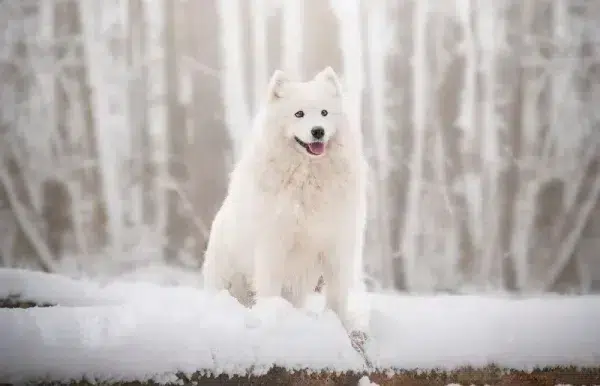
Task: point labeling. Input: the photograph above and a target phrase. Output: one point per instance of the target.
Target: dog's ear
(329, 76)
(275, 88)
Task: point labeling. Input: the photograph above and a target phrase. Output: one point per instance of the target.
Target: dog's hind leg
(295, 296)
(241, 290)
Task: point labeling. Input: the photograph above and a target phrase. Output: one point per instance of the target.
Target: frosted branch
(44, 254)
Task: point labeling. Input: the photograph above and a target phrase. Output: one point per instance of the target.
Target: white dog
(295, 208)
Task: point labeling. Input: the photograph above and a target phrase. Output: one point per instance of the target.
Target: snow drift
(126, 331)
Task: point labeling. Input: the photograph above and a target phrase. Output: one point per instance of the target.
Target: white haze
(120, 121)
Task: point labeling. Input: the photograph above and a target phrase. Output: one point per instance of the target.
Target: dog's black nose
(317, 132)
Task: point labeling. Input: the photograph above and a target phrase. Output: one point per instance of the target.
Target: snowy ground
(126, 331)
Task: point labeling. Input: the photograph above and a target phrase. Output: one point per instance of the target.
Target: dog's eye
(324, 113)
(299, 114)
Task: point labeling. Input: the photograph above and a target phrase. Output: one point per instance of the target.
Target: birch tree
(379, 39)
(411, 238)
(293, 38)
(156, 114)
(237, 111)
(108, 102)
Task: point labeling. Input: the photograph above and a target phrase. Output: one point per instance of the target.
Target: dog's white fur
(290, 217)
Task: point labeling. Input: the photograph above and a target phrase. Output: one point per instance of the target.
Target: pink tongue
(316, 147)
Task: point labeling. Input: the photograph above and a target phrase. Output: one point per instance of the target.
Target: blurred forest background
(120, 120)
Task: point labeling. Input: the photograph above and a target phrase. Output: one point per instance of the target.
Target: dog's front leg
(268, 270)
(340, 277)
(337, 276)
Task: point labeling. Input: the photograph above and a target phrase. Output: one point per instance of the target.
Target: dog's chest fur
(305, 194)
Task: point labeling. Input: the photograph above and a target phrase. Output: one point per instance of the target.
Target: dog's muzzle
(315, 148)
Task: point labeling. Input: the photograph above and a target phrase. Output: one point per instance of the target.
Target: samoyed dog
(295, 207)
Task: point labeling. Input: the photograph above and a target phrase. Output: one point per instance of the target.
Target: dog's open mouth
(313, 148)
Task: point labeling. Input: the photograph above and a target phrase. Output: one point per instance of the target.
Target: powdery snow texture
(128, 331)
(365, 381)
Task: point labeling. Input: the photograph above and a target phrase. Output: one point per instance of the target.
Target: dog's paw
(358, 339)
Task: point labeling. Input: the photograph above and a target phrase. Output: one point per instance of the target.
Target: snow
(51, 288)
(138, 330)
(365, 381)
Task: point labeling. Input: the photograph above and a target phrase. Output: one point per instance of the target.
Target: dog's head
(307, 114)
